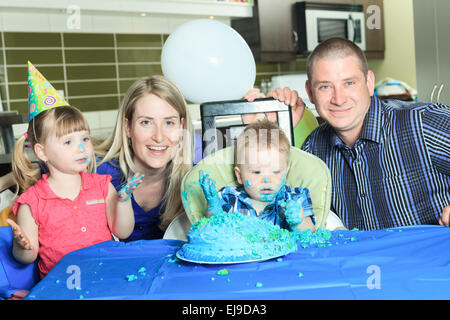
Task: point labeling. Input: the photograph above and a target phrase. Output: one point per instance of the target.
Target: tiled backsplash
(93, 70)
(101, 124)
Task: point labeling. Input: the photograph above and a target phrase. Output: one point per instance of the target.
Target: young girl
(66, 209)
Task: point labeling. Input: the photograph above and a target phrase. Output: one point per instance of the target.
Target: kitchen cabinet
(272, 37)
(373, 14)
(432, 48)
(375, 43)
(270, 32)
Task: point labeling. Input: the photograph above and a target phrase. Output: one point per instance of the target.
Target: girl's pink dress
(66, 225)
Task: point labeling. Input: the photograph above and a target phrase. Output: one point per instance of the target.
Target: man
(390, 163)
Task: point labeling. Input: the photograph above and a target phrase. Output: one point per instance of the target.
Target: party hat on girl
(41, 94)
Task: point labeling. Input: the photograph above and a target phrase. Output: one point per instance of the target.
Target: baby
(261, 166)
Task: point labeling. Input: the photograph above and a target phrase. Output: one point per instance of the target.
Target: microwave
(317, 22)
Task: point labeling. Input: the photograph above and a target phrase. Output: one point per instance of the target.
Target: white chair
(178, 228)
(333, 222)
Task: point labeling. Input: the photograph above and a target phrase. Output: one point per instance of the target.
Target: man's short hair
(336, 48)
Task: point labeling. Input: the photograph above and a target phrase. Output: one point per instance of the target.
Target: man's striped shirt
(397, 173)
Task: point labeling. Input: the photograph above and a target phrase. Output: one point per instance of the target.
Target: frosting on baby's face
(264, 175)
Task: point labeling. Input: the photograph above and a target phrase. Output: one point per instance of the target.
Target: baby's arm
(209, 190)
(25, 233)
(119, 210)
(306, 224)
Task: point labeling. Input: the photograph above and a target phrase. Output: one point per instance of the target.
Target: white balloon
(208, 61)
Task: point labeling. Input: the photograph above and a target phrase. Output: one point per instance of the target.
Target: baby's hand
(19, 237)
(209, 189)
(444, 220)
(208, 185)
(293, 212)
(125, 192)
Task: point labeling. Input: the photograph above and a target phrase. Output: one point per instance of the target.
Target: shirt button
(83, 229)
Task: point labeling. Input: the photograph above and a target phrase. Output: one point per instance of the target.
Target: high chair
(306, 170)
(222, 123)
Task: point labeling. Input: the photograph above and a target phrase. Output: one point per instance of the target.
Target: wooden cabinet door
(375, 43)
(275, 25)
(279, 41)
(269, 33)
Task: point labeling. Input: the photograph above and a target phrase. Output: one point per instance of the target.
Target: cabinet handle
(295, 39)
(432, 93)
(439, 93)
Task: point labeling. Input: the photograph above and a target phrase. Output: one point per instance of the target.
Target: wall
(399, 57)
(95, 69)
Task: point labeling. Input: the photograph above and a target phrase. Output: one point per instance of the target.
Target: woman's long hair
(118, 148)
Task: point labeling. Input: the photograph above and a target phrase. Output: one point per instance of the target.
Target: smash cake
(233, 237)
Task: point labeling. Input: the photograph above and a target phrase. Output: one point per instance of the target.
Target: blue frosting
(292, 213)
(233, 237)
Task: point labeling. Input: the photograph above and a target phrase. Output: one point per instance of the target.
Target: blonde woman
(152, 136)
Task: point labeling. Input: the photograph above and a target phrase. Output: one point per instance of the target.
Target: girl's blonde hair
(117, 147)
(60, 120)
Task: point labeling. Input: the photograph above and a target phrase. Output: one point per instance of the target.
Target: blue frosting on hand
(126, 190)
(209, 189)
(292, 210)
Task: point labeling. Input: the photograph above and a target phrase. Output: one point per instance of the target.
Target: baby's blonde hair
(263, 134)
(60, 120)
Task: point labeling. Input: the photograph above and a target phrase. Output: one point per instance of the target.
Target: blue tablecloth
(13, 275)
(400, 263)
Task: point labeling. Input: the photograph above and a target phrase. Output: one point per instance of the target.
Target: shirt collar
(47, 193)
(372, 126)
(243, 195)
(373, 123)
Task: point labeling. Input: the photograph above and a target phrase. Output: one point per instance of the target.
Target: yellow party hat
(41, 94)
